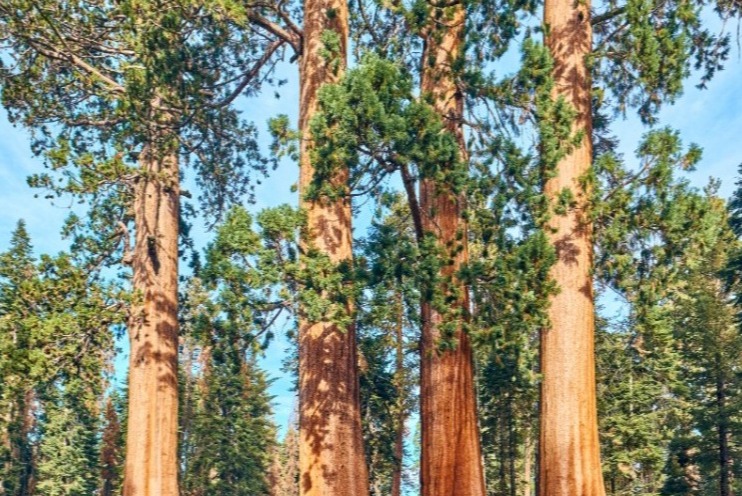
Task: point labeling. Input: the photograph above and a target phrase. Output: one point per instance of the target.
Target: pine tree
(68, 451)
(57, 322)
(17, 269)
(285, 467)
(388, 337)
(652, 231)
(244, 286)
(707, 330)
(231, 434)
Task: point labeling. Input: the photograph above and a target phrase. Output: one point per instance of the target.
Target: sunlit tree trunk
(451, 461)
(151, 467)
(331, 456)
(569, 461)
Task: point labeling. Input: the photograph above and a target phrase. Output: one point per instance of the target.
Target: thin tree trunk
(331, 456)
(725, 486)
(527, 466)
(399, 378)
(503, 455)
(569, 463)
(26, 458)
(512, 449)
(151, 467)
(110, 451)
(451, 458)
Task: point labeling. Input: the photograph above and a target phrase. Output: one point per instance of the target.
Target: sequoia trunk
(151, 444)
(331, 456)
(451, 461)
(569, 458)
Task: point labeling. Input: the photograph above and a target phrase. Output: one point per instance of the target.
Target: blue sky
(711, 118)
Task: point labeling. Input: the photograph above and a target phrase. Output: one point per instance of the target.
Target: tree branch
(607, 16)
(409, 186)
(290, 37)
(252, 73)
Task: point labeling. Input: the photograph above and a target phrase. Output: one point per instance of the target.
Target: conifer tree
(569, 452)
(450, 464)
(228, 438)
(285, 469)
(68, 450)
(329, 410)
(17, 419)
(377, 129)
(331, 454)
(231, 435)
(388, 336)
(707, 332)
(127, 91)
(111, 450)
(56, 323)
(652, 231)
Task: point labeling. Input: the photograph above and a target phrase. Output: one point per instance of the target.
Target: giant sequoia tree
(500, 202)
(451, 458)
(116, 96)
(641, 54)
(569, 462)
(331, 451)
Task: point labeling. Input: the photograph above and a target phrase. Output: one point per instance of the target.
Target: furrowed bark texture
(451, 459)
(151, 444)
(331, 456)
(569, 458)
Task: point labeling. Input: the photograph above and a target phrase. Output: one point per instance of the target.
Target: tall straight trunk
(527, 466)
(18, 463)
(512, 449)
(569, 462)
(399, 379)
(451, 457)
(151, 467)
(725, 483)
(109, 456)
(331, 456)
(25, 452)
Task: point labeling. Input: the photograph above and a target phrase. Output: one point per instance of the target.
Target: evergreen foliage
(99, 84)
(56, 342)
(228, 438)
(387, 335)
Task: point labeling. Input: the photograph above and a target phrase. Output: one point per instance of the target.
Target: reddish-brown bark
(110, 449)
(151, 444)
(331, 456)
(451, 460)
(569, 450)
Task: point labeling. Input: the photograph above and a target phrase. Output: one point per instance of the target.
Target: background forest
(448, 248)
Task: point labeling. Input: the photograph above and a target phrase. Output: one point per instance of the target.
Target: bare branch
(252, 73)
